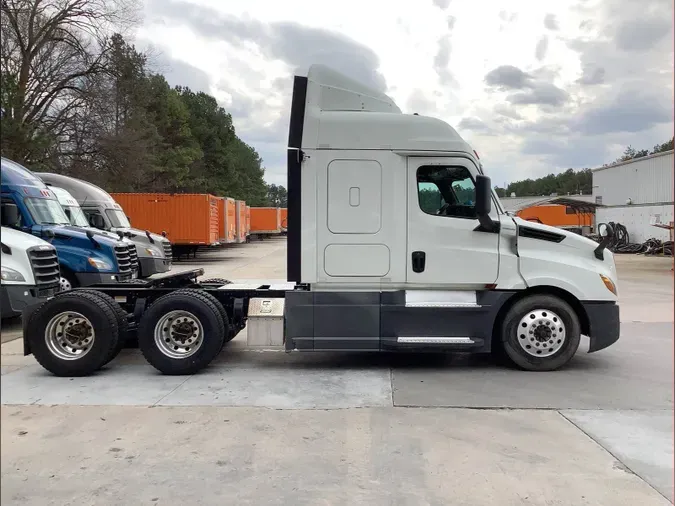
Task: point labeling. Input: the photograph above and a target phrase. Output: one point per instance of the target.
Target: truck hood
(549, 256)
(571, 239)
(105, 238)
(22, 240)
(141, 236)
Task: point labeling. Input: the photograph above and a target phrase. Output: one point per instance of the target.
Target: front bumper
(603, 322)
(95, 278)
(14, 299)
(153, 265)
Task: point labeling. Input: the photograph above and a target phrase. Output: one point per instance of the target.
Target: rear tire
(229, 334)
(122, 321)
(540, 333)
(85, 348)
(182, 332)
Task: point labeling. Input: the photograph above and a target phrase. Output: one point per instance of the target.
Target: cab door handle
(418, 261)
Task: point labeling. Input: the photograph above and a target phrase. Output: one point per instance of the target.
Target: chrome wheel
(541, 333)
(179, 334)
(69, 336)
(64, 284)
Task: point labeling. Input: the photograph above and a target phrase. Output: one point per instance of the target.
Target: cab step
(435, 340)
(436, 343)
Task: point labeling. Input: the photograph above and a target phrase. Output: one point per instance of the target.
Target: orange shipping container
(265, 220)
(230, 222)
(248, 221)
(556, 215)
(187, 218)
(284, 217)
(221, 219)
(241, 221)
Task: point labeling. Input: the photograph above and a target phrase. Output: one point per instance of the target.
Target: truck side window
(7, 201)
(446, 191)
(89, 214)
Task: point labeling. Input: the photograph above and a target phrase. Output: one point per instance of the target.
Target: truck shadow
(395, 360)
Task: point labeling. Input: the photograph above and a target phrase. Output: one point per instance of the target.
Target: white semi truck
(30, 271)
(396, 242)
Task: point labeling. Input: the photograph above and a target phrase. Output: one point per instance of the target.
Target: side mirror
(10, 215)
(97, 221)
(484, 202)
(606, 230)
(129, 220)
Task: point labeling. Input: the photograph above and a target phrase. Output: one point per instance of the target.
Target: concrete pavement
(251, 456)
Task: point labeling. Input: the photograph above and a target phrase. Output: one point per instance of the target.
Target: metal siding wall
(645, 181)
(636, 220)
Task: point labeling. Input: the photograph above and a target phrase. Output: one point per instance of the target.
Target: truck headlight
(99, 264)
(609, 284)
(11, 275)
(153, 252)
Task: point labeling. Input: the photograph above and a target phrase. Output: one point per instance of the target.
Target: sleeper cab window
(446, 191)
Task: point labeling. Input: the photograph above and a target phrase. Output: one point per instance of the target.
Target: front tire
(67, 281)
(540, 333)
(181, 333)
(73, 334)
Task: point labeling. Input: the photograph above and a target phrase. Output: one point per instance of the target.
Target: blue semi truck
(86, 257)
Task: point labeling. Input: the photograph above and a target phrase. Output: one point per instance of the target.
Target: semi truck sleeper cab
(396, 242)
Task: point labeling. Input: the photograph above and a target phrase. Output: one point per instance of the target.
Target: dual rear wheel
(78, 332)
(183, 331)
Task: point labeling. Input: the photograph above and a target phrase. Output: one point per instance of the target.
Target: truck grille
(133, 257)
(123, 261)
(45, 265)
(168, 252)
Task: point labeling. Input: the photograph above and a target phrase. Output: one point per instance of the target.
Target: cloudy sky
(535, 87)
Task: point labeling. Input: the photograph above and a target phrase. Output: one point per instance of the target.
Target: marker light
(609, 284)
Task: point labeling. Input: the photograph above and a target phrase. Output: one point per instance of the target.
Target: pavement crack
(623, 466)
(172, 391)
(391, 386)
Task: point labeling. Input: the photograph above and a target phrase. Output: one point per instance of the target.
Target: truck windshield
(46, 211)
(117, 218)
(76, 216)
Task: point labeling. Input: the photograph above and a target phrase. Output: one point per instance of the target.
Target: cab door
(447, 249)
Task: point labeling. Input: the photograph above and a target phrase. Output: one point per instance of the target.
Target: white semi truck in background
(30, 271)
(396, 242)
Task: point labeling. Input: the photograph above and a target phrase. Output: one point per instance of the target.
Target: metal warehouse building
(637, 194)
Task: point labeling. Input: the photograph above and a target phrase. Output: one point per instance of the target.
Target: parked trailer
(230, 223)
(221, 220)
(240, 207)
(248, 223)
(371, 265)
(265, 221)
(189, 220)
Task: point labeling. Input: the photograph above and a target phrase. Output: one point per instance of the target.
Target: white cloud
(536, 88)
